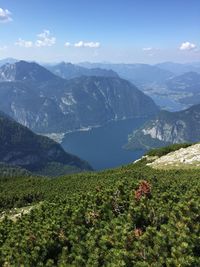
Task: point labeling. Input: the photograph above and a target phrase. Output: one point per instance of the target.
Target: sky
(118, 31)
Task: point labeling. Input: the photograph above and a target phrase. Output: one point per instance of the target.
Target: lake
(102, 147)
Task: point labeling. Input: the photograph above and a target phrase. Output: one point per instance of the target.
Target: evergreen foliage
(130, 216)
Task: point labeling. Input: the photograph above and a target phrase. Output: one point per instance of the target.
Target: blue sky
(128, 31)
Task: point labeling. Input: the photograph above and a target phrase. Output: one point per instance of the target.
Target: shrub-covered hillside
(131, 216)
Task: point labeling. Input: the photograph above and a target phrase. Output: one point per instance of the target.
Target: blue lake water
(102, 147)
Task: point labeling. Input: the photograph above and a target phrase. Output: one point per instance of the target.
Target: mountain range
(46, 103)
(178, 68)
(20, 147)
(153, 80)
(142, 75)
(168, 128)
(186, 87)
(70, 71)
(164, 82)
(188, 82)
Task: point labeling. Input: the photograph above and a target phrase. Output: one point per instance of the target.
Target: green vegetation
(12, 171)
(20, 147)
(130, 216)
(55, 169)
(159, 152)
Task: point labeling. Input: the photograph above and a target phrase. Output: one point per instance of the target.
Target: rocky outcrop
(166, 132)
(183, 158)
(168, 128)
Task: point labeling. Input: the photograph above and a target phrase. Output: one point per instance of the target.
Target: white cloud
(92, 44)
(45, 39)
(67, 44)
(24, 43)
(5, 15)
(187, 46)
(148, 49)
(87, 44)
(79, 44)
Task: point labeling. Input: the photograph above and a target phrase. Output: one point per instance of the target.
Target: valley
(103, 146)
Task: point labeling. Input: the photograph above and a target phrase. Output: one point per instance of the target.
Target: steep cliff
(168, 128)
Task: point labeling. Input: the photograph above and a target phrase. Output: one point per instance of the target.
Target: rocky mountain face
(70, 71)
(183, 158)
(168, 128)
(21, 147)
(46, 103)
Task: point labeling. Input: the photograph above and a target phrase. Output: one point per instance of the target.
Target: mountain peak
(68, 71)
(25, 71)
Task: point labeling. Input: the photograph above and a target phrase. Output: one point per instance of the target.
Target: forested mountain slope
(21, 147)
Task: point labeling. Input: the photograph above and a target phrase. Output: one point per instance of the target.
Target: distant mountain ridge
(70, 71)
(139, 74)
(178, 68)
(186, 86)
(168, 128)
(46, 103)
(188, 82)
(21, 147)
(160, 81)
